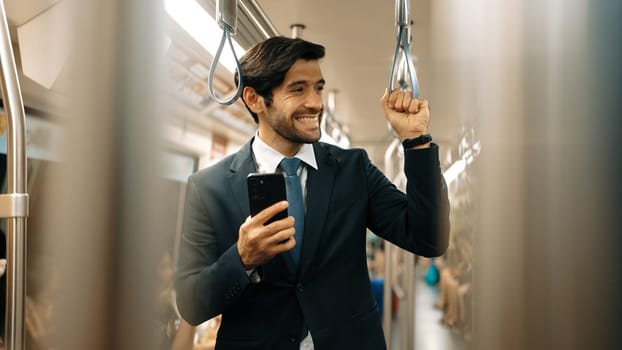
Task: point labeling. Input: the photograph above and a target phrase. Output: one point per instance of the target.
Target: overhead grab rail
(252, 9)
(402, 52)
(14, 204)
(227, 16)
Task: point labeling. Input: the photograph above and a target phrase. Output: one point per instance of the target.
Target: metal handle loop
(227, 15)
(403, 45)
(212, 70)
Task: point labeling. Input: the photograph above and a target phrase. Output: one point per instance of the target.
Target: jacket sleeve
(207, 279)
(419, 220)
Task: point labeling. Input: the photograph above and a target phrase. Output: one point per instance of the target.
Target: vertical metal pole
(387, 315)
(409, 282)
(408, 269)
(16, 178)
(389, 250)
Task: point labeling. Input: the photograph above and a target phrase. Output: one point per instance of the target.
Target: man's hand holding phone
(259, 243)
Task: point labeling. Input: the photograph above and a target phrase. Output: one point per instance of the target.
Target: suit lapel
(240, 167)
(319, 189)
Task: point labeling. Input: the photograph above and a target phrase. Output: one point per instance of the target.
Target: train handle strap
(402, 49)
(226, 13)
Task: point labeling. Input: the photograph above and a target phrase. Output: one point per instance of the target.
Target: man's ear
(253, 100)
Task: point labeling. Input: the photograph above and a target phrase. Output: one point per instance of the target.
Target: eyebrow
(303, 82)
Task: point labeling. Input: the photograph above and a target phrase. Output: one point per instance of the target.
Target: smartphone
(264, 190)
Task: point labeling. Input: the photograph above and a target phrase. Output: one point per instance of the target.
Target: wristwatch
(420, 140)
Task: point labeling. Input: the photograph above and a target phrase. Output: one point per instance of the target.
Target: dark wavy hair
(264, 66)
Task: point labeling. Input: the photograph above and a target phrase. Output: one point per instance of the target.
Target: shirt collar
(268, 159)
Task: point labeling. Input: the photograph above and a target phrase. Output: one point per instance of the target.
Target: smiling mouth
(307, 119)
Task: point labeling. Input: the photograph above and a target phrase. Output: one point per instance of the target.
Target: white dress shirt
(267, 160)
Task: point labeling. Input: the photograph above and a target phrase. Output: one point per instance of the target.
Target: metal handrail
(259, 17)
(227, 15)
(14, 204)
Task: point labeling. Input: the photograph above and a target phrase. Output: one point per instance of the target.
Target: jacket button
(299, 288)
(292, 339)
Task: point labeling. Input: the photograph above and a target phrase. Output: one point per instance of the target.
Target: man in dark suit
(303, 277)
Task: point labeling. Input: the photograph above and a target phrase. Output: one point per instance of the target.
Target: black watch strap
(420, 140)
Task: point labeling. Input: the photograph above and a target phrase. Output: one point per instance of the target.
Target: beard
(286, 126)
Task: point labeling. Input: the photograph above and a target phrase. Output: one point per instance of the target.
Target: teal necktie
(296, 205)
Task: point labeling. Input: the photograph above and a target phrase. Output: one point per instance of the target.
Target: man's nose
(314, 101)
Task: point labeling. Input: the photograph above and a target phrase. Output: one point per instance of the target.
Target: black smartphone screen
(264, 190)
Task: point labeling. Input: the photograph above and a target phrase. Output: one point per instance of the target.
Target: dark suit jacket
(331, 290)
